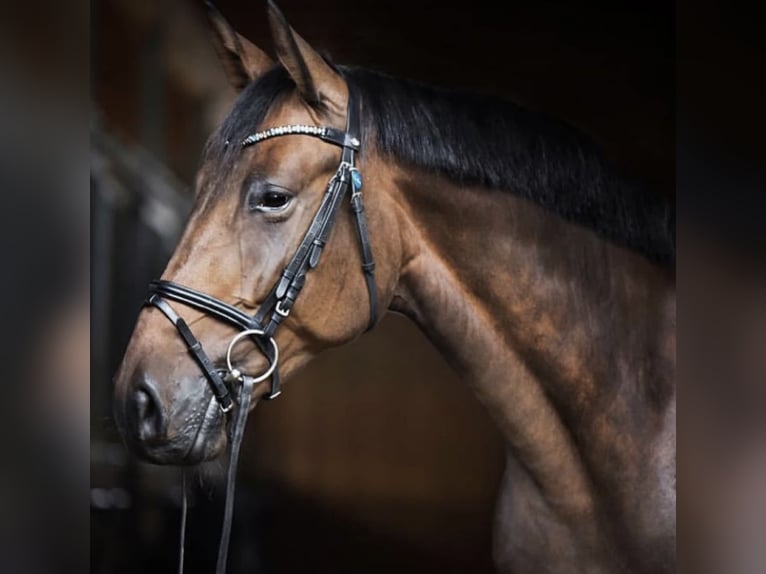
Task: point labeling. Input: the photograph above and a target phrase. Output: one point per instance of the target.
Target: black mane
(476, 139)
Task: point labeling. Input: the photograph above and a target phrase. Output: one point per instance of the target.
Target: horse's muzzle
(189, 431)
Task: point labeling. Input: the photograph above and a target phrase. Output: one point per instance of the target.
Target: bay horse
(544, 278)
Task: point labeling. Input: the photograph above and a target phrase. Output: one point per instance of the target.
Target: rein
(260, 328)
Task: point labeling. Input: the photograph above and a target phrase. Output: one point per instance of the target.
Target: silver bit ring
(236, 373)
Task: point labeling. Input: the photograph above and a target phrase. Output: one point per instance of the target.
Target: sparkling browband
(283, 130)
(332, 135)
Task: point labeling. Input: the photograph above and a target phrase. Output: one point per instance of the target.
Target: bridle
(260, 328)
(279, 302)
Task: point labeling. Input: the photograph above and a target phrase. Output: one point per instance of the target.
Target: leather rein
(260, 328)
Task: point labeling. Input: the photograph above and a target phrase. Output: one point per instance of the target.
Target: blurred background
(376, 458)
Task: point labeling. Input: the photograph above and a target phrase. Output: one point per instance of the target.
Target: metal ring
(272, 366)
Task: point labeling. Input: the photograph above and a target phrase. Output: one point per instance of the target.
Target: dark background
(376, 458)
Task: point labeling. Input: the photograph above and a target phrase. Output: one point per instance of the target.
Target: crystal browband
(332, 135)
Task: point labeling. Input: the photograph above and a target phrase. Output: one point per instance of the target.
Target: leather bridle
(260, 328)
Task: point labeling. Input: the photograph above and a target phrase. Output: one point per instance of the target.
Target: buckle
(281, 310)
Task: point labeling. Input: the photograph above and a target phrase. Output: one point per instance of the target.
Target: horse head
(263, 214)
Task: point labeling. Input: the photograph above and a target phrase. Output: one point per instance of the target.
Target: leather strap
(368, 262)
(184, 514)
(235, 440)
(195, 348)
(357, 206)
(348, 140)
(202, 302)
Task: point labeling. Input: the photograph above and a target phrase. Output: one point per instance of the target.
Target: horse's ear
(316, 80)
(242, 60)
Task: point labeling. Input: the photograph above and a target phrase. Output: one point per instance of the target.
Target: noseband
(260, 328)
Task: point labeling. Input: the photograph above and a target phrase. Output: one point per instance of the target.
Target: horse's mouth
(200, 437)
(210, 438)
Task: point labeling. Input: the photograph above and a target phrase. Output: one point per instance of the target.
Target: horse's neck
(547, 322)
(483, 264)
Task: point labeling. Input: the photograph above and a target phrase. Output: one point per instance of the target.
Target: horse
(544, 277)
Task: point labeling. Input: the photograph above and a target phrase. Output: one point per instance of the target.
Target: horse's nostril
(150, 417)
(144, 405)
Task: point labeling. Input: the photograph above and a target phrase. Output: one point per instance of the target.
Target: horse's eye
(272, 201)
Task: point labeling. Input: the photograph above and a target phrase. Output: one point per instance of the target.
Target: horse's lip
(197, 450)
